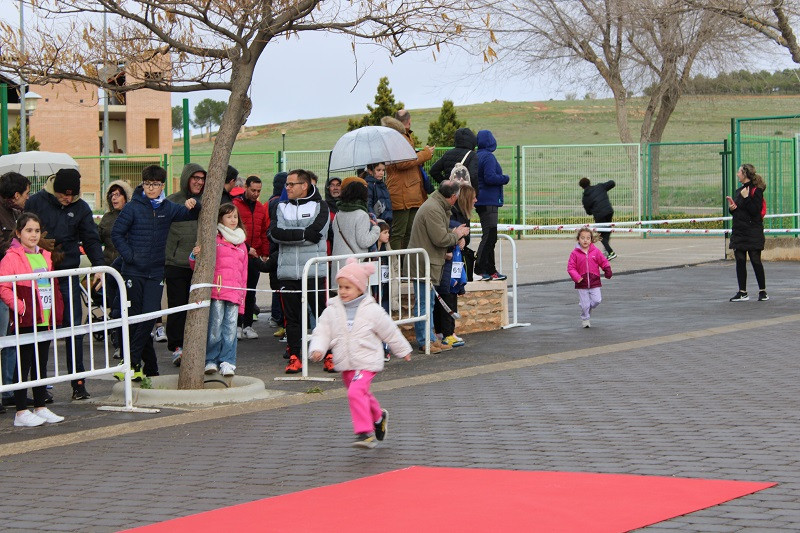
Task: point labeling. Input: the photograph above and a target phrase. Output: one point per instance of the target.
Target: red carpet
(421, 499)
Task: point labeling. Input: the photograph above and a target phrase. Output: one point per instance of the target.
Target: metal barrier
(387, 276)
(515, 265)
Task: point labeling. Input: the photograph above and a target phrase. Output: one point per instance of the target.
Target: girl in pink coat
(583, 267)
(355, 327)
(227, 297)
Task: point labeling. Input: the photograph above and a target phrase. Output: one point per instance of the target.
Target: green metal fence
(262, 164)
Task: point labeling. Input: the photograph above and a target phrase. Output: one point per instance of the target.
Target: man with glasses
(140, 235)
(299, 225)
(68, 219)
(177, 272)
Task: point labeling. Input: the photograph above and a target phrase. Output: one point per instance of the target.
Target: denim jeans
(221, 345)
(419, 327)
(8, 359)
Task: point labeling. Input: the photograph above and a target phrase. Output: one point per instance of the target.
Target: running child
(227, 298)
(583, 267)
(24, 256)
(356, 327)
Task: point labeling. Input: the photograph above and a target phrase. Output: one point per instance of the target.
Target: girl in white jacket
(355, 327)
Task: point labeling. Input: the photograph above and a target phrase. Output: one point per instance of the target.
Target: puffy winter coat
(107, 222)
(140, 234)
(404, 180)
(71, 226)
(378, 192)
(584, 267)
(361, 347)
(465, 141)
(595, 199)
(15, 262)
(490, 175)
(747, 226)
(300, 227)
(8, 223)
(230, 270)
(183, 235)
(255, 219)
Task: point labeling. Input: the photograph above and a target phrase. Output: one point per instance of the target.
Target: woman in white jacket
(355, 327)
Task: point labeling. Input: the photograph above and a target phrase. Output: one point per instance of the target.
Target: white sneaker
(272, 323)
(239, 333)
(27, 419)
(227, 369)
(210, 368)
(160, 336)
(586, 323)
(48, 415)
(249, 333)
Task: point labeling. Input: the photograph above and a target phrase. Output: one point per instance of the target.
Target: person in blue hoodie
(490, 199)
(140, 236)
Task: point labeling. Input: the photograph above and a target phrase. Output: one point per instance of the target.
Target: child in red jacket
(583, 267)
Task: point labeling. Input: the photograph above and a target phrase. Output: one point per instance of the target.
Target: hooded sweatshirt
(107, 222)
(490, 175)
(183, 235)
(584, 267)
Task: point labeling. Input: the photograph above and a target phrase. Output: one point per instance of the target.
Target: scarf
(155, 202)
(352, 206)
(233, 236)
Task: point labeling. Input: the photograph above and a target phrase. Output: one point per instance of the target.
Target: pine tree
(441, 132)
(385, 106)
(14, 140)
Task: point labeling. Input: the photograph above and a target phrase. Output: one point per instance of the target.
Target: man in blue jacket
(490, 199)
(140, 235)
(68, 219)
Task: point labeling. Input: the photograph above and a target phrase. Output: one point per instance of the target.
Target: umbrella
(367, 145)
(36, 163)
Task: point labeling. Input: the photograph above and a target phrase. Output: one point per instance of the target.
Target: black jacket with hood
(465, 142)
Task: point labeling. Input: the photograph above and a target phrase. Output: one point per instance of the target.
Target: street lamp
(283, 140)
(31, 101)
(28, 102)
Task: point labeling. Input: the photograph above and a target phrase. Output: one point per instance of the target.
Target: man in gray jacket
(299, 225)
(177, 272)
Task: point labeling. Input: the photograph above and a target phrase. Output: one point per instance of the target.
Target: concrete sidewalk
(672, 380)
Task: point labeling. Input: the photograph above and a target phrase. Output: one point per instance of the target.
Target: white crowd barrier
(501, 238)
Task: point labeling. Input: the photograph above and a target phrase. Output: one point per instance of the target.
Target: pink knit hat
(357, 273)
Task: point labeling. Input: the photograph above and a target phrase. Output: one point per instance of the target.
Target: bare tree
(772, 19)
(192, 45)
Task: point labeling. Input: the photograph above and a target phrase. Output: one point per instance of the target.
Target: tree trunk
(196, 332)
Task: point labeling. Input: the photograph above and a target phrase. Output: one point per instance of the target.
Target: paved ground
(671, 380)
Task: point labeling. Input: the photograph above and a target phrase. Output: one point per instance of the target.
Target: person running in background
(490, 199)
(45, 302)
(227, 298)
(747, 235)
(355, 328)
(583, 267)
(597, 204)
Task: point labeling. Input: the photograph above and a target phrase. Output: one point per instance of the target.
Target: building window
(151, 132)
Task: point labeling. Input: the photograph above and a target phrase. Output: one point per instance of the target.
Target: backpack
(460, 172)
(763, 203)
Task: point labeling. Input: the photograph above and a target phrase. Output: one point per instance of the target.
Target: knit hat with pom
(357, 273)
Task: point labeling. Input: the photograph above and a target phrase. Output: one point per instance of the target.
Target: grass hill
(697, 118)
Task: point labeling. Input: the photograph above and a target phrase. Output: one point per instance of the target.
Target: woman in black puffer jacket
(747, 231)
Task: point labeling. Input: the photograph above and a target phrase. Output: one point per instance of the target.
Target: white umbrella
(36, 163)
(367, 145)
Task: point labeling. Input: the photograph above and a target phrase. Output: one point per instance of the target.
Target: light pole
(283, 150)
(23, 129)
(31, 100)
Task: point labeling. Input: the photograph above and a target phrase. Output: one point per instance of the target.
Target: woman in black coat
(747, 232)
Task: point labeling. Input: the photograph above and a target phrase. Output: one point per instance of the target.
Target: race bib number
(46, 294)
(384, 273)
(456, 270)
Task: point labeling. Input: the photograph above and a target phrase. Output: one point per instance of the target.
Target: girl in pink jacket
(355, 327)
(583, 267)
(227, 297)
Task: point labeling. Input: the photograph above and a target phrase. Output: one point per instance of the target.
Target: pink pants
(589, 299)
(364, 408)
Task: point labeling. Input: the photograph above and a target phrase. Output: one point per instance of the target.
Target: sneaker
(442, 346)
(249, 333)
(272, 323)
(740, 296)
(27, 419)
(612, 255)
(227, 369)
(119, 376)
(434, 348)
(586, 324)
(79, 391)
(211, 368)
(365, 440)
(255, 317)
(497, 276)
(138, 375)
(380, 427)
(160, 335)
(239, 333)
(294, 365)
(762, 296)
(283, 339)
(281, 332)
(486, 277)
(327, 364)
(453, 341)
(48, 416)
(387, 357)
(177, 355)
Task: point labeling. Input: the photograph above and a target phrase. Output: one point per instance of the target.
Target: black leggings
(741, 268)
(28, 367)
